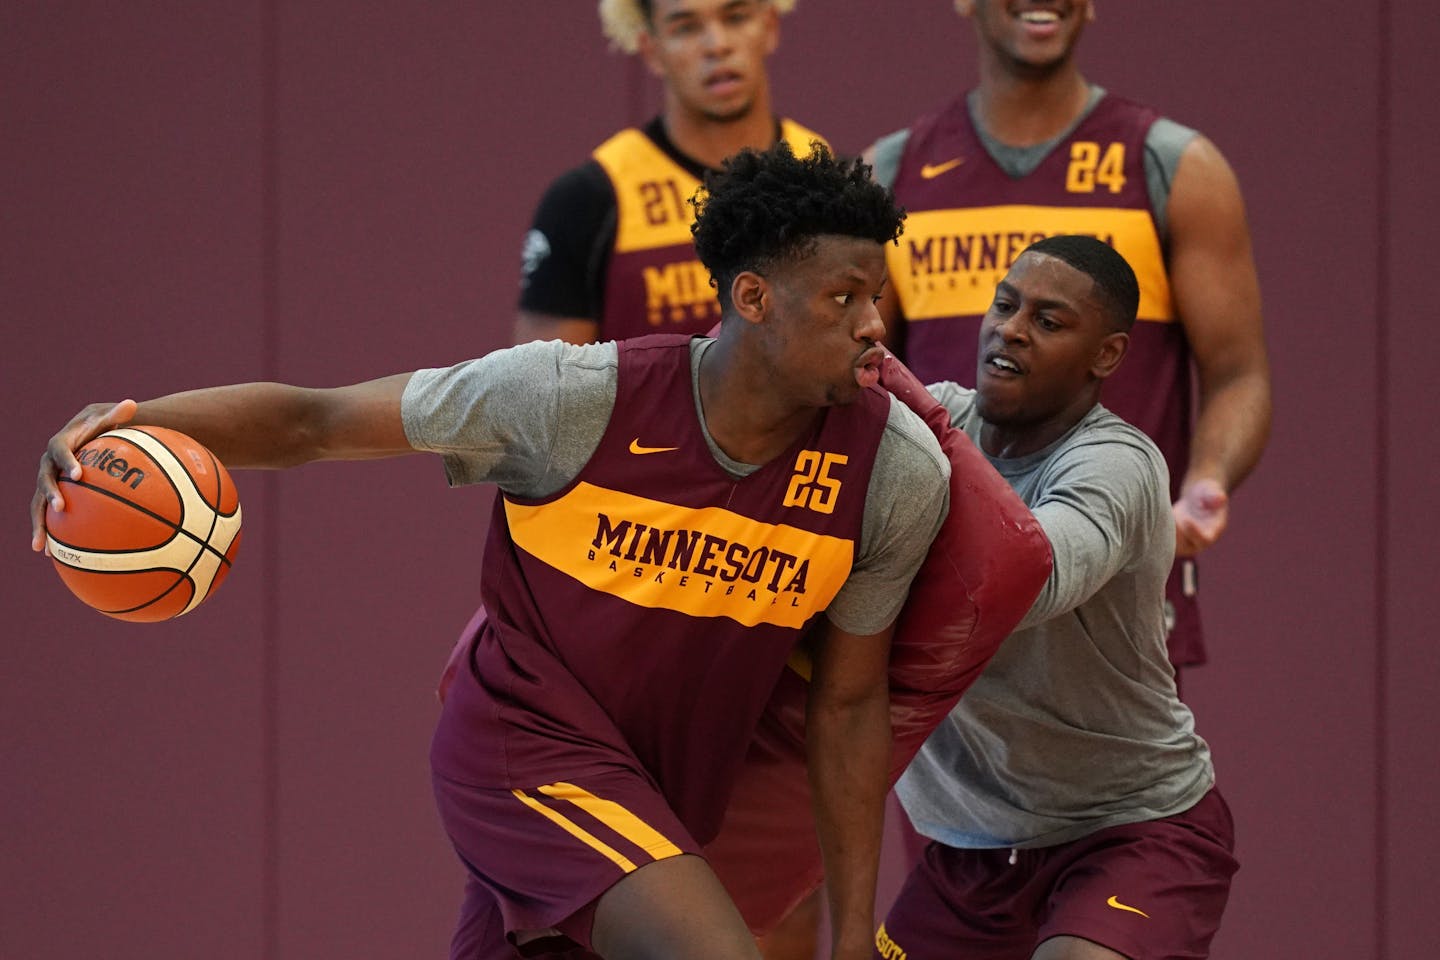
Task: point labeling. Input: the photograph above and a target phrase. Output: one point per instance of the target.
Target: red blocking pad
(985, 568)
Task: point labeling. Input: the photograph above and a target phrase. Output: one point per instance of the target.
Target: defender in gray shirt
(1068, 795)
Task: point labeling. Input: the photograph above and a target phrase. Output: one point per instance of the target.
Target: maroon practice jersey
(642, 615)
(968, 220)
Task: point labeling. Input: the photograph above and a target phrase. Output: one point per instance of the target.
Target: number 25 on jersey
(812, 486)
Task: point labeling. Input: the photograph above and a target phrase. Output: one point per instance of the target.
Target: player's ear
(748, 294)
(1111, 351)
(1090, 12)
(772, 28)
(965, 7)
(649, 50)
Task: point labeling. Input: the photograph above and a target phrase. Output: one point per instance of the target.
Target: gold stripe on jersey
(702, 562)
(617, 818)
(577, 831)
(948, 261)
(652, 192)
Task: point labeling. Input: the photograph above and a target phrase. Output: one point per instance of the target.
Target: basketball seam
(205, 545)
(215, 511)
(196, 596)
(129, 503)
(219, 483)
(181, 577)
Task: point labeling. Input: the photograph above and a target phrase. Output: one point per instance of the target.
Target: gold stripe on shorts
(617, 818)
(575, 830)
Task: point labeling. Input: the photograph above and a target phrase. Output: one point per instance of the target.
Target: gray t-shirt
(1075, 725)
(528, 419)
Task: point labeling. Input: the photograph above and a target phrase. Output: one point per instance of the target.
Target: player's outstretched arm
(1217, 296)
(255, 425)
(847, 745)
(1105, 506)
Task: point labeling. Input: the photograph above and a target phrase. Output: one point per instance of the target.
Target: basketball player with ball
(676, 513)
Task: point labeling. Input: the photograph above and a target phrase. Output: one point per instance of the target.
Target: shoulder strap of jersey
(651, 192)
(799, 137)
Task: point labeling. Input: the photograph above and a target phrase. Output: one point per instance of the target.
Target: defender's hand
(1200, 516)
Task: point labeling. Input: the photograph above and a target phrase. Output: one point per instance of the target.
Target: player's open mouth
(1039, 23)
(999, 363)
(724, 82)
(867, 368)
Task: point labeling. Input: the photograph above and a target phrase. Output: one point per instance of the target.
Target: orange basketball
(151, 527)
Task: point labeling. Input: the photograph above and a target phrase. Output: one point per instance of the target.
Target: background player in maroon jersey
(589, 748)
(602, 225)
(1036, 150)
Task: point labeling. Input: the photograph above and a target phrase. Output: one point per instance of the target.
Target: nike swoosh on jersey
(636, 448)
(932, 170)
(1115, 902)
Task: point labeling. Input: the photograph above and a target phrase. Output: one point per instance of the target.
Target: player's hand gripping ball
(151, 527)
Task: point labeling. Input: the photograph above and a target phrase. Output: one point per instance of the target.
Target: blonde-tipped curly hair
(624, 20)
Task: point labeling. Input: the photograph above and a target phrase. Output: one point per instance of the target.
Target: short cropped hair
(622, 21)
(765, 208)
(1114, 279)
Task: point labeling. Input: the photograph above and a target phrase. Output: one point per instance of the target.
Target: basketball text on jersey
(706, 562)
(952, 259)
(887, 948)
(678, 292)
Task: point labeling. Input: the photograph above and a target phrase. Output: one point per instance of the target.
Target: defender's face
(822, 326)
(711, 53)
(1044, 345)
(1031, 35)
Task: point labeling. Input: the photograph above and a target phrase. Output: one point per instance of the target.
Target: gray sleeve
(1164, 143)
(958, 401)
(1099, 504)
(886, 157)
(908, 496)
(525, 418)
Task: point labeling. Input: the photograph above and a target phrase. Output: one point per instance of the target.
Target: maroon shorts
(546, 854)
(1154, 889)
(545, 810)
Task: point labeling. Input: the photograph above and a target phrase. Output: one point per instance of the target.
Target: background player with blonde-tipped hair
(609, 253)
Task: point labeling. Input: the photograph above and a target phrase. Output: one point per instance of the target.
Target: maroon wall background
(321, 191)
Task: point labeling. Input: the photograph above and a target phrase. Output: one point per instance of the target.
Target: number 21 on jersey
(1089, 166)
(662, 201)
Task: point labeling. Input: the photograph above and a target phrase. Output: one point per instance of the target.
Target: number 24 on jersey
(1089, 166)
